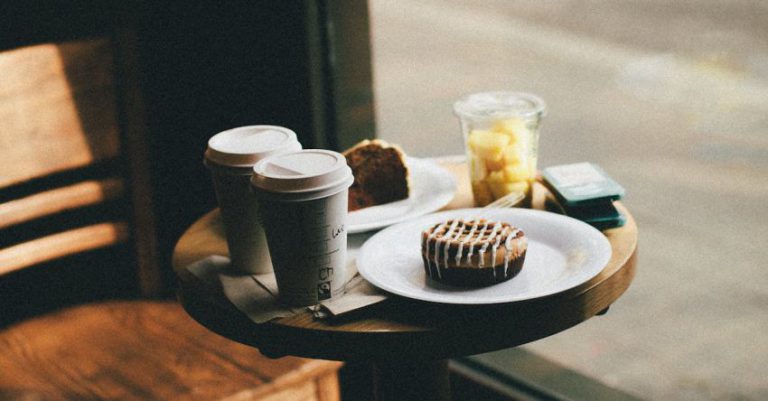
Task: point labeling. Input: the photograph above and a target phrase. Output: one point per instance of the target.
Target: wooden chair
(78, 263)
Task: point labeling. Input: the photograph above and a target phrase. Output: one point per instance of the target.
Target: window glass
(671, 99)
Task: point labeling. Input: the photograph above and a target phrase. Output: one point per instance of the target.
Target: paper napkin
(256, 295)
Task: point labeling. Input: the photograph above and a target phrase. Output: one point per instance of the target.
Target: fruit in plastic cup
(501, 137)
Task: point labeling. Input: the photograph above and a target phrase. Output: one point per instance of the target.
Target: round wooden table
(408, 342)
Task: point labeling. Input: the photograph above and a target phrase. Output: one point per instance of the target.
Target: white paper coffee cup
(303, 203)
(231, 156)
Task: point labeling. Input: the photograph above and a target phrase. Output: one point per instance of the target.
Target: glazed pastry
(471, 253)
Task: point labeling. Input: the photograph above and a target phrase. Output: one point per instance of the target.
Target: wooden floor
(671, 98)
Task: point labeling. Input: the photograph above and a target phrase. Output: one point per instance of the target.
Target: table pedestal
(411, 380)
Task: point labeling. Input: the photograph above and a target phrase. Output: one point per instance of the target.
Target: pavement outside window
(671, 99)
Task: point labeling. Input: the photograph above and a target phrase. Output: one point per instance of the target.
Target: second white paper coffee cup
(303, 202)
(231, 156)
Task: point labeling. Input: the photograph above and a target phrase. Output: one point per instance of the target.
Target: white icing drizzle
(432, 236)
(486, 243)
(466, 240)
(448, 238)
(508, 248)
(427, 264)
(512, 235)
(437, 261)
(474, 241)
(506, 262)
(495, 247)
(442, 241)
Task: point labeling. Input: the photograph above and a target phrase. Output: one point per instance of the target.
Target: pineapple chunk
(487, 145)
(482, 193)
(518, 187)
(522, 186)
(516, 130)
(512, 127)
(494, 165)
(517, 172)
(497, 184)
(514, 153)
(500, 186)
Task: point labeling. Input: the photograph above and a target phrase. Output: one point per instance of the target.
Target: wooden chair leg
(328, 387)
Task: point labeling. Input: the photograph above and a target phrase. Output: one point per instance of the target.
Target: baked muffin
(381, 175)
(473, 253)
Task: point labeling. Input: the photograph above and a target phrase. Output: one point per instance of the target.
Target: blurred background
(671, 98)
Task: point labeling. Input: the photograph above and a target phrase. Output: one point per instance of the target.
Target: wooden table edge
(576, 305)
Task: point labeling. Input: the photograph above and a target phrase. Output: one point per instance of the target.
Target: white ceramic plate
(432, 187)
(562, 253)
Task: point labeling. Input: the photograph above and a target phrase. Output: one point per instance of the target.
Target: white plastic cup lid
(303, 174)
(245, 146)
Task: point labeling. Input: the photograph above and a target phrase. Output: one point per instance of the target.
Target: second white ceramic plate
(562, 253)
(432, 187)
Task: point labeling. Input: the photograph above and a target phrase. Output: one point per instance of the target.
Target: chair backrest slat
(57, 109)
(57, 200)
(59, 245)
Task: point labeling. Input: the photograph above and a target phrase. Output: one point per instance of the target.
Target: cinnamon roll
(472, 253)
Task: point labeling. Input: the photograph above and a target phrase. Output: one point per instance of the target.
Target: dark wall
(210, 67)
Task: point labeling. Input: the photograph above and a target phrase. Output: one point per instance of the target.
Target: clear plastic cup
(501, 137)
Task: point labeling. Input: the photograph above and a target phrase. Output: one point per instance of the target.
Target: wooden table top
(399, 326)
